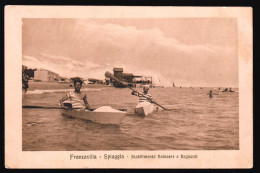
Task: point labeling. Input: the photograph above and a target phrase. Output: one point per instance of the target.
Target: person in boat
(77, 98)
(145, 96)
(226, 90)
(210, 94)
(230, 90)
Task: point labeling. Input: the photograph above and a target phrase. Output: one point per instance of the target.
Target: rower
(145, 96)
(77, 98)
(145, 106)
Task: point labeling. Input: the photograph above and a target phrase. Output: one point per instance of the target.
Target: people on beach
(77, 98)
(145, 96)
(25, 79)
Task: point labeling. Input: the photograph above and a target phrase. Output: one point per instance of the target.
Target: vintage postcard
(128, 87)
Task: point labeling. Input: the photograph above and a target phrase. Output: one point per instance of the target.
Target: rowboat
(144, 108)
(99, 115)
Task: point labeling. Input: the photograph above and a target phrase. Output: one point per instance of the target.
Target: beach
(57, 85)
(196, 123)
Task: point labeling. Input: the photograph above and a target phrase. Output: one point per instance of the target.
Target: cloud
(75, 63)
(130, 38)
(66, 68)
(56, 57)
(87, 48)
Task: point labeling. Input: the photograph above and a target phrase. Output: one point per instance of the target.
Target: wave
(59, 90)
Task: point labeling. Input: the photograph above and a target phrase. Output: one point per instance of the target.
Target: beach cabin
(46, 75)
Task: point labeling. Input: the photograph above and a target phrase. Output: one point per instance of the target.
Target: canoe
(101, 117)
(144, 108)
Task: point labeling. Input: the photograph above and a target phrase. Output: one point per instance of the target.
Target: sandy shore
(55, 85)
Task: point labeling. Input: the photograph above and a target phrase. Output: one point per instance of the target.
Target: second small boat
(144, 108)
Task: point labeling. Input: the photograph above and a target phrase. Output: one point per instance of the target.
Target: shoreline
(55, 85)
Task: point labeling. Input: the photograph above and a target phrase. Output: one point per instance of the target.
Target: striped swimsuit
(75, 101)
(144, 97)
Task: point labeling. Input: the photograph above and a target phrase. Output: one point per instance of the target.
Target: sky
(186, 51)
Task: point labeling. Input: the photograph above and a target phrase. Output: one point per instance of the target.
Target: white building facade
(46, 75)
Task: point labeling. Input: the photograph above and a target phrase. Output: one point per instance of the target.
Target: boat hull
(97, 117)
(144, 109)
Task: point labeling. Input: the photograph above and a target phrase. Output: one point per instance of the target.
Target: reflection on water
(197, 122)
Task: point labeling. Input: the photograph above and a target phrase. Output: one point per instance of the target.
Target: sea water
(196, 122)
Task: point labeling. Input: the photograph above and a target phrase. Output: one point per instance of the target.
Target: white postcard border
(16, 158)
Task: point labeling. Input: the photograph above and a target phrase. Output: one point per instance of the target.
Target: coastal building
(118, 73)
(130, 78)
(46, 75)
(126, 77)
(143, 80)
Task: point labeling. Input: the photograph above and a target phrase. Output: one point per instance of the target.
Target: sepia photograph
(145, 83)
(113, 85)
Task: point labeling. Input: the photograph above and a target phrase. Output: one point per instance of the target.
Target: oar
(110, 75)
(41, 107)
